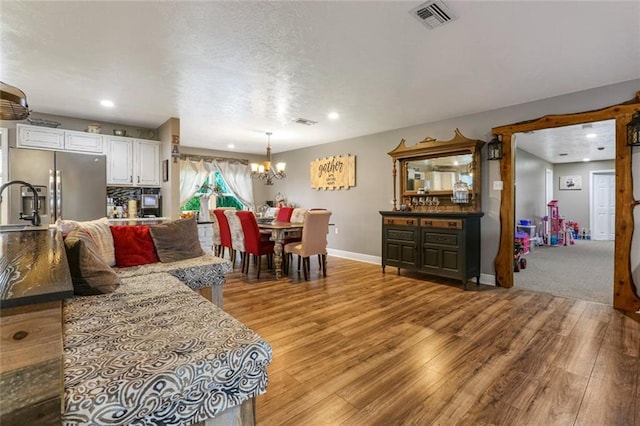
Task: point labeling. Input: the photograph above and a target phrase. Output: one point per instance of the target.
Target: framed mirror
(446, 173)
(438, 174)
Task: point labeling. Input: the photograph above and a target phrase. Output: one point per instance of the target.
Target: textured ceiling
(570, 144)
(232, 71)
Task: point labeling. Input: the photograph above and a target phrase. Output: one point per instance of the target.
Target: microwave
(150, 201)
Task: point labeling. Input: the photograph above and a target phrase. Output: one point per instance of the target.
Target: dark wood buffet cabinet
(436, 228)
(442, 244)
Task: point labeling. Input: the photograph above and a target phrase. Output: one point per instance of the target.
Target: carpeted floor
(581, 271)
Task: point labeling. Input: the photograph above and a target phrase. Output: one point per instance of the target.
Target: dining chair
(254, 244)
(314, 242)
(284, 214)
(217, 240)
(225, 232)
(237, 236)
(298, 215)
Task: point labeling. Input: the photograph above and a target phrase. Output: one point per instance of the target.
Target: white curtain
(237, 176)
(192, 176)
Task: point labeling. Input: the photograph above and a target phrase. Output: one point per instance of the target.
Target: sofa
(141, 346)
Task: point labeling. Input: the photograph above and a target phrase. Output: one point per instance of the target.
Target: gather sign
(333, 172)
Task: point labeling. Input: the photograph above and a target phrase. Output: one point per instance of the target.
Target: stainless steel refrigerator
(70, 186)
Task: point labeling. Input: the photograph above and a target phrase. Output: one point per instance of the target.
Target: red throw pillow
(284, 214)
(133, 246)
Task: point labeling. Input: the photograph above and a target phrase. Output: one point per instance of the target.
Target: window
(223, 197)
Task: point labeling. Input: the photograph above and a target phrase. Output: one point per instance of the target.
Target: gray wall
(70, 123)
(574, 204)
(530, 182)
(355, 211)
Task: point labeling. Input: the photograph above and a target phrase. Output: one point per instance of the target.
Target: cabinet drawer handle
(390, 221)
(453, 224)
(19, 335)
(409, 222)
(138, 179)
(131, 178)
(428, 223)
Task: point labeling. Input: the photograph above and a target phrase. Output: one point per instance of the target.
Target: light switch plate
(497, 185)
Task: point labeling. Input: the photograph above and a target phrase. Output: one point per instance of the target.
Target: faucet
(34, 218)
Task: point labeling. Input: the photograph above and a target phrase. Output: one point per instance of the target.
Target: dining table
(279, 231)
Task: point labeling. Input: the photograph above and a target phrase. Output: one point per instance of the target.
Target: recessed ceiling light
(333, 115)
(591, 135)
(585, 159)
(231, 146)
(107, 103)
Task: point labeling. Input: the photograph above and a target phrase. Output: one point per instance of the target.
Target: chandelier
(265, 171)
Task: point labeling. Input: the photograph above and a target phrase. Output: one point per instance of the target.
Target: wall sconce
(633, 130)
(175, 153)
(495, 148)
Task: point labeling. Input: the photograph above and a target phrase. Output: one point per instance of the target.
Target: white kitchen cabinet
(147, 162)
(119, 161)
(133, 162)
(39, 137)
(58, 139)
(83, 142)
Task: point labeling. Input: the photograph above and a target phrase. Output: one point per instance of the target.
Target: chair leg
(299, 262)
(259, 264)
(245, 263)
(319, 262)
(324, 265)
(305, 268)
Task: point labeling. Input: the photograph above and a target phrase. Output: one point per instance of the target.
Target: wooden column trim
(504, 258)
(626, 294)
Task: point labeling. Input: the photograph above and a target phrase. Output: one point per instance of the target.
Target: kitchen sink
(21, 227)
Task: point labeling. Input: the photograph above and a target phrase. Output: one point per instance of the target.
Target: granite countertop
(139, 220)
(33, 267)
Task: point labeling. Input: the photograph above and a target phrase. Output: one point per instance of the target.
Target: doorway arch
(625, 293)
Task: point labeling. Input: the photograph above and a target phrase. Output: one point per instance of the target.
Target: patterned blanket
(155, 352)
(196, 273)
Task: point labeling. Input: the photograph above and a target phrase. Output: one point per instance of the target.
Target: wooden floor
(365, 348)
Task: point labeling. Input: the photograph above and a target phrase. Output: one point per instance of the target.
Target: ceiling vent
(433, 14)
(305, 121)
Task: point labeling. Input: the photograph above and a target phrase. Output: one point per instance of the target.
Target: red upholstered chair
(284, 214)
(225, 232)
(253, 243)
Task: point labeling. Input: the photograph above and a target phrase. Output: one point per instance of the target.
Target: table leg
(278, 239)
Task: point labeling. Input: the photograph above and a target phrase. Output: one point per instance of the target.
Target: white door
(548, 186)
(604, 206)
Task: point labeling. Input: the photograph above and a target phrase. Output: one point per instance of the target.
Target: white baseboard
(486, 279)
(367, 258)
